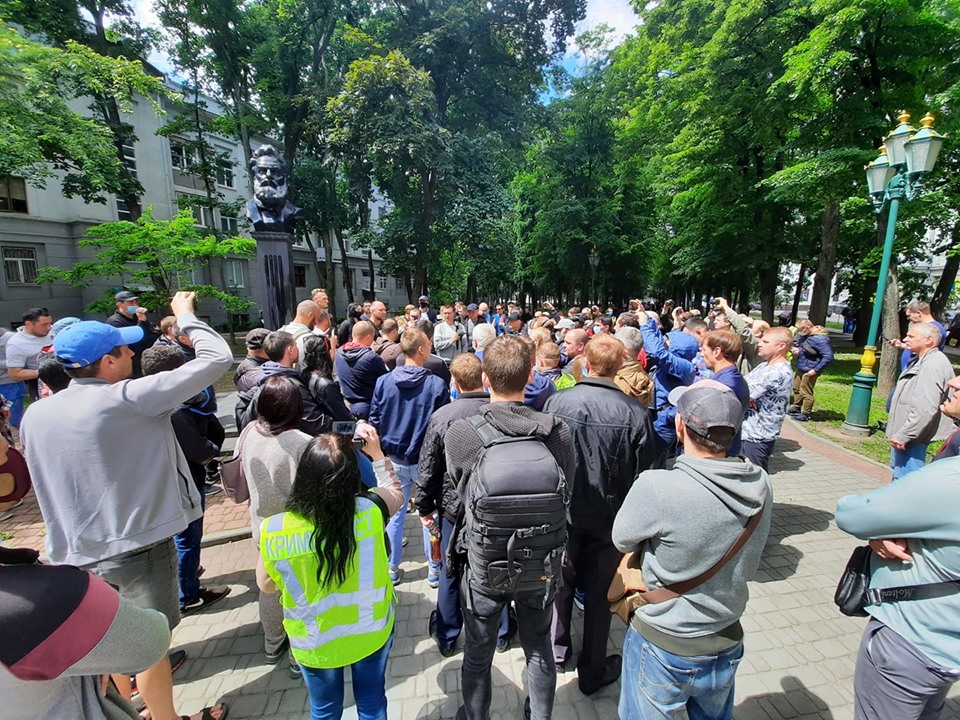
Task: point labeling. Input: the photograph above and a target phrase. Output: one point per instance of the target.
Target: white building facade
(40, 227)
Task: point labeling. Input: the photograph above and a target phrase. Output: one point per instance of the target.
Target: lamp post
(906, 157)
(594, 261)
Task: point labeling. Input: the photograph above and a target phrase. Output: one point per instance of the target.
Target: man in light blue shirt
(910, 652)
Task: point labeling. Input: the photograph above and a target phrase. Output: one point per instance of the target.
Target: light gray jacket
(108, 472)
(686, 519)
(915, 415)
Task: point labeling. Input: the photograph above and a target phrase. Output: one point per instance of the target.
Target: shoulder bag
(628, 592)
(854, 592)
(232, 474)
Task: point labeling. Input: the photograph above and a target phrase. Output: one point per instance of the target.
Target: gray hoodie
(686, 519)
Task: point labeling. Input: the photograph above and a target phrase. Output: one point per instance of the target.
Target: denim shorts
(146, 577)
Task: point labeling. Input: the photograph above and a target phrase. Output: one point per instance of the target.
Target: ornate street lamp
(906, 157)
(594, 261)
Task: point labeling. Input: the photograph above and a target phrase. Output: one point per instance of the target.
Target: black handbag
(854, 592)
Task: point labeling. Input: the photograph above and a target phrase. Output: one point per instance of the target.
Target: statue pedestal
(278, 300)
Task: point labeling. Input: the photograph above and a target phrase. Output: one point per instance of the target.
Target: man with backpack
(302, 325)
(510, 465)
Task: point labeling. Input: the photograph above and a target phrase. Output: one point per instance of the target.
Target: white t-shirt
(23, 349)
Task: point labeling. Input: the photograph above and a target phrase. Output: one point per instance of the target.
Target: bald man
(302, 326)
(358, 368)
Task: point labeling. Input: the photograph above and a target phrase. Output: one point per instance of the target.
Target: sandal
(205, 714)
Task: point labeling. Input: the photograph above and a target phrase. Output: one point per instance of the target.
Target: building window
(399, 284)
(13, 194)
(203, 216)
(225, 172)
(130, 158)
(234, 274)
(123, 212)
(382, 282)
(20, 265)
(228, 224)
(180, 157)
(195, 276)
(300, 276)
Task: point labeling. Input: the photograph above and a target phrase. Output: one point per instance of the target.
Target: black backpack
(515, 515)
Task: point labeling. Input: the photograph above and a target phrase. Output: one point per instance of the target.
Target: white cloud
(618, 14)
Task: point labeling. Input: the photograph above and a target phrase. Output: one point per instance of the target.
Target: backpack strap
(489, 435)
(379, 502)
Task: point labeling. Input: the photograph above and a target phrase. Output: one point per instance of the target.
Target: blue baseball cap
(85, 342)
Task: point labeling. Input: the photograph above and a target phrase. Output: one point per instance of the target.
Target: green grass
(832, 396)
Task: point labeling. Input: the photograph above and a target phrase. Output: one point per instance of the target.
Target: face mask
(132, 310)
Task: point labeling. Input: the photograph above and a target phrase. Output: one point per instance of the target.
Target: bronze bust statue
(268, 209)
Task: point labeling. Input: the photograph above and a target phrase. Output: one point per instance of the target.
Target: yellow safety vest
(331, 626)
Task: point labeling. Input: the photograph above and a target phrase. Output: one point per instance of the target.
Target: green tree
(40, 132)
(156, 255)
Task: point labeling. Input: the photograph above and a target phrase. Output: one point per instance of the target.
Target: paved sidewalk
(800, 651)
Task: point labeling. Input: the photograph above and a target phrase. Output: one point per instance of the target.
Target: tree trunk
(347, 279)
(472, 287)
(373, 277)
(769, 278)
(941, 296)
(330, 280)
(890, 323)
(798, 293)
(826, 264)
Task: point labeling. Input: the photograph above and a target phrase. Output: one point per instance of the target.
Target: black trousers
(589, 563)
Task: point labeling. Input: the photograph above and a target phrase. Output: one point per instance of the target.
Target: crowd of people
(544, 452)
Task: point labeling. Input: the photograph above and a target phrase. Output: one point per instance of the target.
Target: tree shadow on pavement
(795, 700)
(780, 560)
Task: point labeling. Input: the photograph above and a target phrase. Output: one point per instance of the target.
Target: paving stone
(800, 652)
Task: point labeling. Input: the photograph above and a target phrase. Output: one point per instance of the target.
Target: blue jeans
(657, 684)
(14, 393)
(906, 461)
(325, 687)
(407, 475)
(188, 557)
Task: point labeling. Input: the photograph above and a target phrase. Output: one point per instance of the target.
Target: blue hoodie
(535, 394)
(403, 402)
(674, 368)
(358, 368)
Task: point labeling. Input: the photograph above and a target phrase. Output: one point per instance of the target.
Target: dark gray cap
(255, 338)
(710, 409)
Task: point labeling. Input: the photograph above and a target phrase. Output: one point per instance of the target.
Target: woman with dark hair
(270, 450)
(327, 556)
(317, 375)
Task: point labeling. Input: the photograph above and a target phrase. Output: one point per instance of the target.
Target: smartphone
(345, 427)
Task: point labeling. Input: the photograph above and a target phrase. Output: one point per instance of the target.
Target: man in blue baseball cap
(117, 487)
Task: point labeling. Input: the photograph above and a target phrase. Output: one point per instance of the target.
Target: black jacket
(326, 393)
(435, 489)
(247, 373)
(313, 421)
(119, 320)
(612, 443)
(200, 436)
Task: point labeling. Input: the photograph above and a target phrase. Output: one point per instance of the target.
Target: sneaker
(432, 632)
(433, 579)
(274, 657)
(793, 410)
(296, 672)
(208, 596)
(403, 543)
(210, 490)
(396, 576)
(578, 596)
(800, 417)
